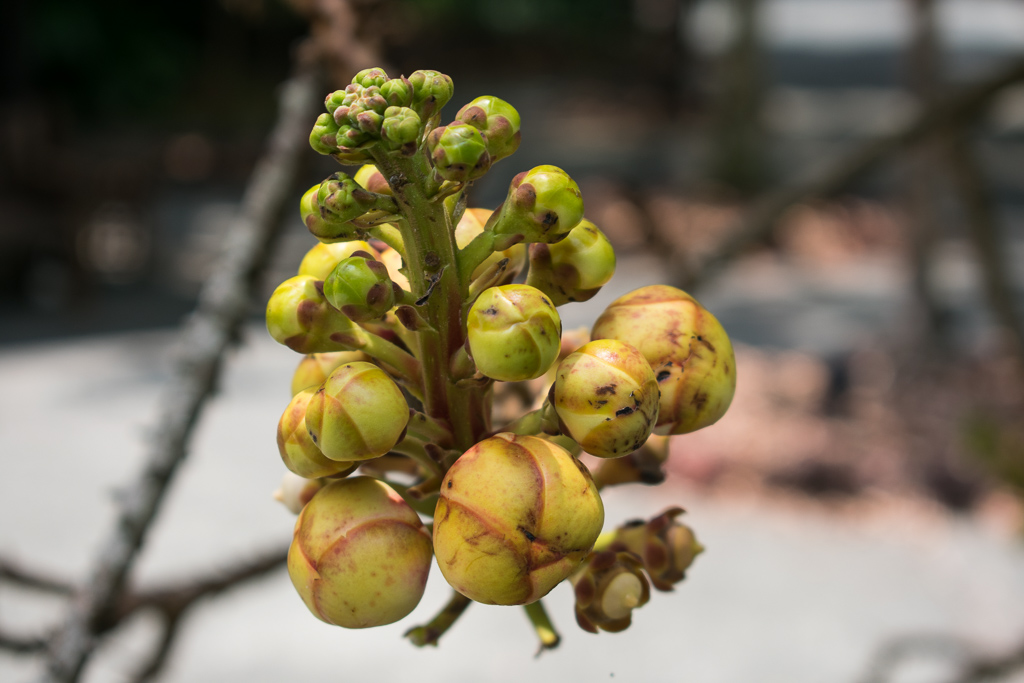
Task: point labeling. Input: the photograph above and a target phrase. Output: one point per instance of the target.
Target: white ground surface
(782, 595)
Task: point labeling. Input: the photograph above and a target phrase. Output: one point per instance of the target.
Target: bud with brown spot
(666, 547)
(543, 205)
(608, 587)
(297, 448)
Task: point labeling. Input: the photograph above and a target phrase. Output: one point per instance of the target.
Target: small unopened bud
(321, 223)
(543, 205)
(360, 556)
(358, 413)
(298, 451)
(343, 198)
(497, 120)
(686, 346)
(398, 92)
(458, 152)
(516, 516)
(360, 288)
(608, 587)
(666, 547)
(314, 368)
(401, 128)
(323, 257)
(323, 139)
(575, 268)
(606, 398)
(371, 77)
(514, 333)
(299, 317)
(431, 90)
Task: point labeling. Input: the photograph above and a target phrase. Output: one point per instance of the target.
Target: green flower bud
(543, 205)
(299, 317)
(371, 77)
(324, 136)
(431, 90)
(575, 268)
(608, 587)
(666, 547)
(497, 120)
(299, 453)
(458, 152)
(343, 198)
(295, 491)
(360, 288)
(358, 413)
(606, 398)
(397, 92)
(516, 516)
(514, 333)
(360, 556)
(322, 223)
(686, 346)
(401, 129)
(322, 258)
(369, 122)
(314, 368)
(369, 177)
(472, 224)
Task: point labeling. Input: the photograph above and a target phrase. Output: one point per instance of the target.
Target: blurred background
(841, 182)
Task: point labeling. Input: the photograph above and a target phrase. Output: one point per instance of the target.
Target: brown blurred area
(878, 327)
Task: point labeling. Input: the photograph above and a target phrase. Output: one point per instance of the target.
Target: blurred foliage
(998, 446)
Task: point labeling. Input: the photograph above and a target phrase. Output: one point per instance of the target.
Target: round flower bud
(371, 77)
(686, 346)
(401, 128)
(322, 258)
(315, 367)
(360, 555)
(323, 138)
(575, 268)
(431, 90)
(516, 515)
(321, 223)
(397, 92)
(472, 224)
(299, 317)
(342, 199)
(543, 205)
(299, 453)
(358, 413)
(666, 547)
(373, 180)
(458, 152)
(295, 491)
(606, 398)
(497, 120)
(608, 587)
(514, 333)
(360, 288)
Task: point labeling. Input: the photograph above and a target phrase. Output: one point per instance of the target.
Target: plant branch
(213, 328)
(431, 632)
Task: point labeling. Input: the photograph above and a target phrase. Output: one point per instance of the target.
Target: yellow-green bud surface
(360, 555)
(575, 268)
(358, 413)
(472, 224)
(686, 346)
(314, 368)
(369, 177)
(298, 451)
(295, 491)
(514, 332)
(543, 205)
(299, 317)
(606, 397)
(322, 258)
(360, 288)
(516, 516)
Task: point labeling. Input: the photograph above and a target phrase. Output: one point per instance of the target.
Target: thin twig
(973, 667)
(757, 225)
(212, 329)
(24, 645)
(34, 579)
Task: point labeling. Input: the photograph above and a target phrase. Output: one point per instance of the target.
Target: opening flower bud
(314, 368)
(514, 333)
(497, 120)
(543, 205)
(298, 451)
(472, 224)
(360, 288)
(322, 258)
(606, 397)
(666, 547)
(575, 268)
(358, 413)
(360, 555)
(458, 152)
(295, 491)
(516, 515)
(686, 346)
(608, 587)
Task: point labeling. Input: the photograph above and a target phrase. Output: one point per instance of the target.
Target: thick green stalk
(429, 239)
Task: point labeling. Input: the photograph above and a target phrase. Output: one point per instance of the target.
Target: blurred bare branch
(33, 578)
(214, 327)
(973, 666)
(952, 110)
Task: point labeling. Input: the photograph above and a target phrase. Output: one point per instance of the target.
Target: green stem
(426, 428)
(472, 255)
(413, 448)
(549, 637)
(404, 363)
(431, 632)
(389, 235)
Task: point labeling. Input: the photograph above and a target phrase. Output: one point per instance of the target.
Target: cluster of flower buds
(410, 308)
